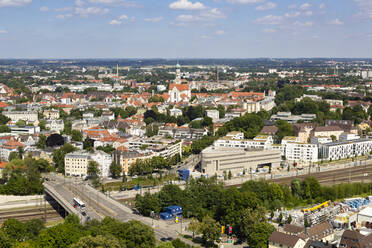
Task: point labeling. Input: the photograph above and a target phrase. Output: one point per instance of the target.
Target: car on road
(83, 213)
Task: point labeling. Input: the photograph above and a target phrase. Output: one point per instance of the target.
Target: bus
(79, 203)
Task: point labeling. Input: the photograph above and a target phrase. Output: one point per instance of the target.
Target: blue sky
(185, 28)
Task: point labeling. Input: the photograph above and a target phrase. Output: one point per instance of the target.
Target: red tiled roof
(180, 87)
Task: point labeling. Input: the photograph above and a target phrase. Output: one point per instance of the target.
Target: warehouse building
(220, 160)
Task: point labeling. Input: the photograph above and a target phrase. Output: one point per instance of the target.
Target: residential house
(283, 240)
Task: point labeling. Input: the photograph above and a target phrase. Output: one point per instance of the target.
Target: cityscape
(185, 123)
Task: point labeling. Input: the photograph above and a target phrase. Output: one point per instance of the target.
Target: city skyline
(185, 29)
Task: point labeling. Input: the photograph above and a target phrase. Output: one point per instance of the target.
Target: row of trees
(22, 177)
(157, 163)
(244, 209)
(108, 233)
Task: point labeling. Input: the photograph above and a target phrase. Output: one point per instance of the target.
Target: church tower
(178, 74)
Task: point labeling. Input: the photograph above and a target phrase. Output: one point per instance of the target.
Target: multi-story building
(30, 116)
(287, 116)
(302, 153)
(126, 158)
(8, 147)
(182, 132)
(221, 160)
(345, 149)
(327, 131)
(76, 163)
(158, 145)
(51, 114)
(213, 113)
(104, 160)
(236, 140)
(24, 130)
(55, 125)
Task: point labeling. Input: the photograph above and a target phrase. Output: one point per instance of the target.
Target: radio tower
(117, 70)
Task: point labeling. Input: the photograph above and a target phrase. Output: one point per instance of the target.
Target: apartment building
(55, 125)
(220, 160)
(287, 116)
(30, 116)
(302, 153)
(76, 163)
(51, 114)
(104, 160)
(158, 145)
(327, 131)
(182, 133)
(236, 140)
(24, 130)
(345, 149)
(126, 158)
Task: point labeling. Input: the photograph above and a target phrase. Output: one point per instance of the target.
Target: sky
(185, 28)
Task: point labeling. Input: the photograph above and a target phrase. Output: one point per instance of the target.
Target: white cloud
(79, 3)
(292, 14)
(14, 3)
(305, 6)
(322, 6)
(303, 24)
(123, 17)
(63, 9)
(115, 22)
(44, 9)
(336, 22)
(220, 32)
(365, 7)
(308, 13)
(205, 37)
(266, 6)
(3, 31)
(186, 5)
(269, 30)
(123, 3)
(245, 1)
(269, 19)
(204, 16)
(63, 16)
(154, 19)
(91, 11)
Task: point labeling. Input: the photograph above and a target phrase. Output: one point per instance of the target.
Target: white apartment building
(236, 140)
(76, 164)
(51, 114)
(55, 125)
(158, 145)
(104, 160)
(24, 130)
(214, 114)
(30, 116)
(345, 149)
(302, 153)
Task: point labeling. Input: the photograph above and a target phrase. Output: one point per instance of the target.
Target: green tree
(194, 226)
(165, 245)
(76, 135)
(260, 234)
(59, 156)
(4, 129)
(88, 143)
(115, 169)
(210, 229)
(5, 241)
(15, 229)
(21, 123)
(41, 143)
(13, 155)
(93, 169)
(284, 129)
(98, 241)
(42, 124)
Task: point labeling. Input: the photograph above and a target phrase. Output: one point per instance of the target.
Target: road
(100, 205)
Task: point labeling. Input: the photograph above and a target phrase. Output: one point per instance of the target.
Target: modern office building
(158, 145)
(345, 149)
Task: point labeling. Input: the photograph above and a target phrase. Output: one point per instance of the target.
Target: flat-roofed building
(301, 152)
(76, 163)
(236, 140)
(345, 149)
(158, 145)
(237, 160)
(30, 116)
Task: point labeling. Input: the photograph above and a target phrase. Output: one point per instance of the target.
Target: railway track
(346, 175)
(29, 214)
